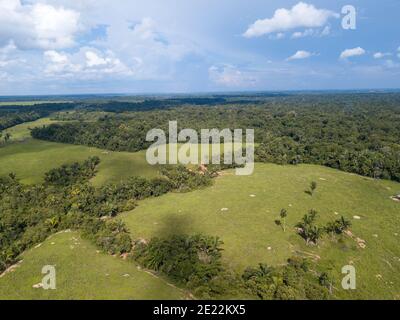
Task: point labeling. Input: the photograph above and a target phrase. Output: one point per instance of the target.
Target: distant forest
(357, 133)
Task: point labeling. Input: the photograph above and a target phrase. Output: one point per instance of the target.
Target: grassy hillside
(242, 210)
(81, 273)
(32, 158)
(21, 132)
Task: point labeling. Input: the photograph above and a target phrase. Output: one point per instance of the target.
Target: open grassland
(242, 211)
(32, 158)
(81, 273)
(22, 132)
(29, 103)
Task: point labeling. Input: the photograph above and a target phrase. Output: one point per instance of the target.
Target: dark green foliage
(183, 179)
(293, 281)
(190, 260)
(311, 232)
(283, 215)
(195, 262)
(13, 115)
(111, 236)
(313, 187)
(327, 281)
(73, 173)
(10, 119)
(308, 229)
(338, 226)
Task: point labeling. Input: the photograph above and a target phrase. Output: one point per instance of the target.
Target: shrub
(289, 282)
(73, 173)
(338, 226)
(190, 260)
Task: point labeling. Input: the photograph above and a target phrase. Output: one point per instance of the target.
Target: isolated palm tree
(283, 215)
(313, 187)
(52, 222)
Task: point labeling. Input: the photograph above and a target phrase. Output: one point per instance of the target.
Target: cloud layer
(58, 46)
(38, 25)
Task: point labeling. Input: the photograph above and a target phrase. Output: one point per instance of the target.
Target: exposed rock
(361, 243)
(124, 256)
(11, 268)
(396, 198)
(143, 241)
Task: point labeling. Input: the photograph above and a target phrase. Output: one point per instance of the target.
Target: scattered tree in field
(327, 281)
(308, 229)
(338, 226)
(313, 187)
(283, 215)
(7, 137)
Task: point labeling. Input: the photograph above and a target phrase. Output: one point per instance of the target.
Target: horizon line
(191, 93)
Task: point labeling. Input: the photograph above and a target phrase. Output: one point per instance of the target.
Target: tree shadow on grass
(308, 192)
(175, 224)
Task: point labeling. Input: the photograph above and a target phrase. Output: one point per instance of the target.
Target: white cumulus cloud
(230, 76)
(380, 55)
(302, 15)
(93, 59)
(301, 54)
(352, 53)
(56, 57)
(87, 63)
(37, 25)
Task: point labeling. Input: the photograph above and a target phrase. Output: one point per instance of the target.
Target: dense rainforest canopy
(356, 133)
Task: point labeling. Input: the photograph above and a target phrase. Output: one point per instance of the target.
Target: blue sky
(157, 46)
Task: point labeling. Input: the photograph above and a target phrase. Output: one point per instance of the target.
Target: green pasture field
(31, 159)
(82, 272)
(242, 210)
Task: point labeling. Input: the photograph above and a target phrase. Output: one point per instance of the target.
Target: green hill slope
(32, 158)
(81, 273)
(21, 131)
(242, 210)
